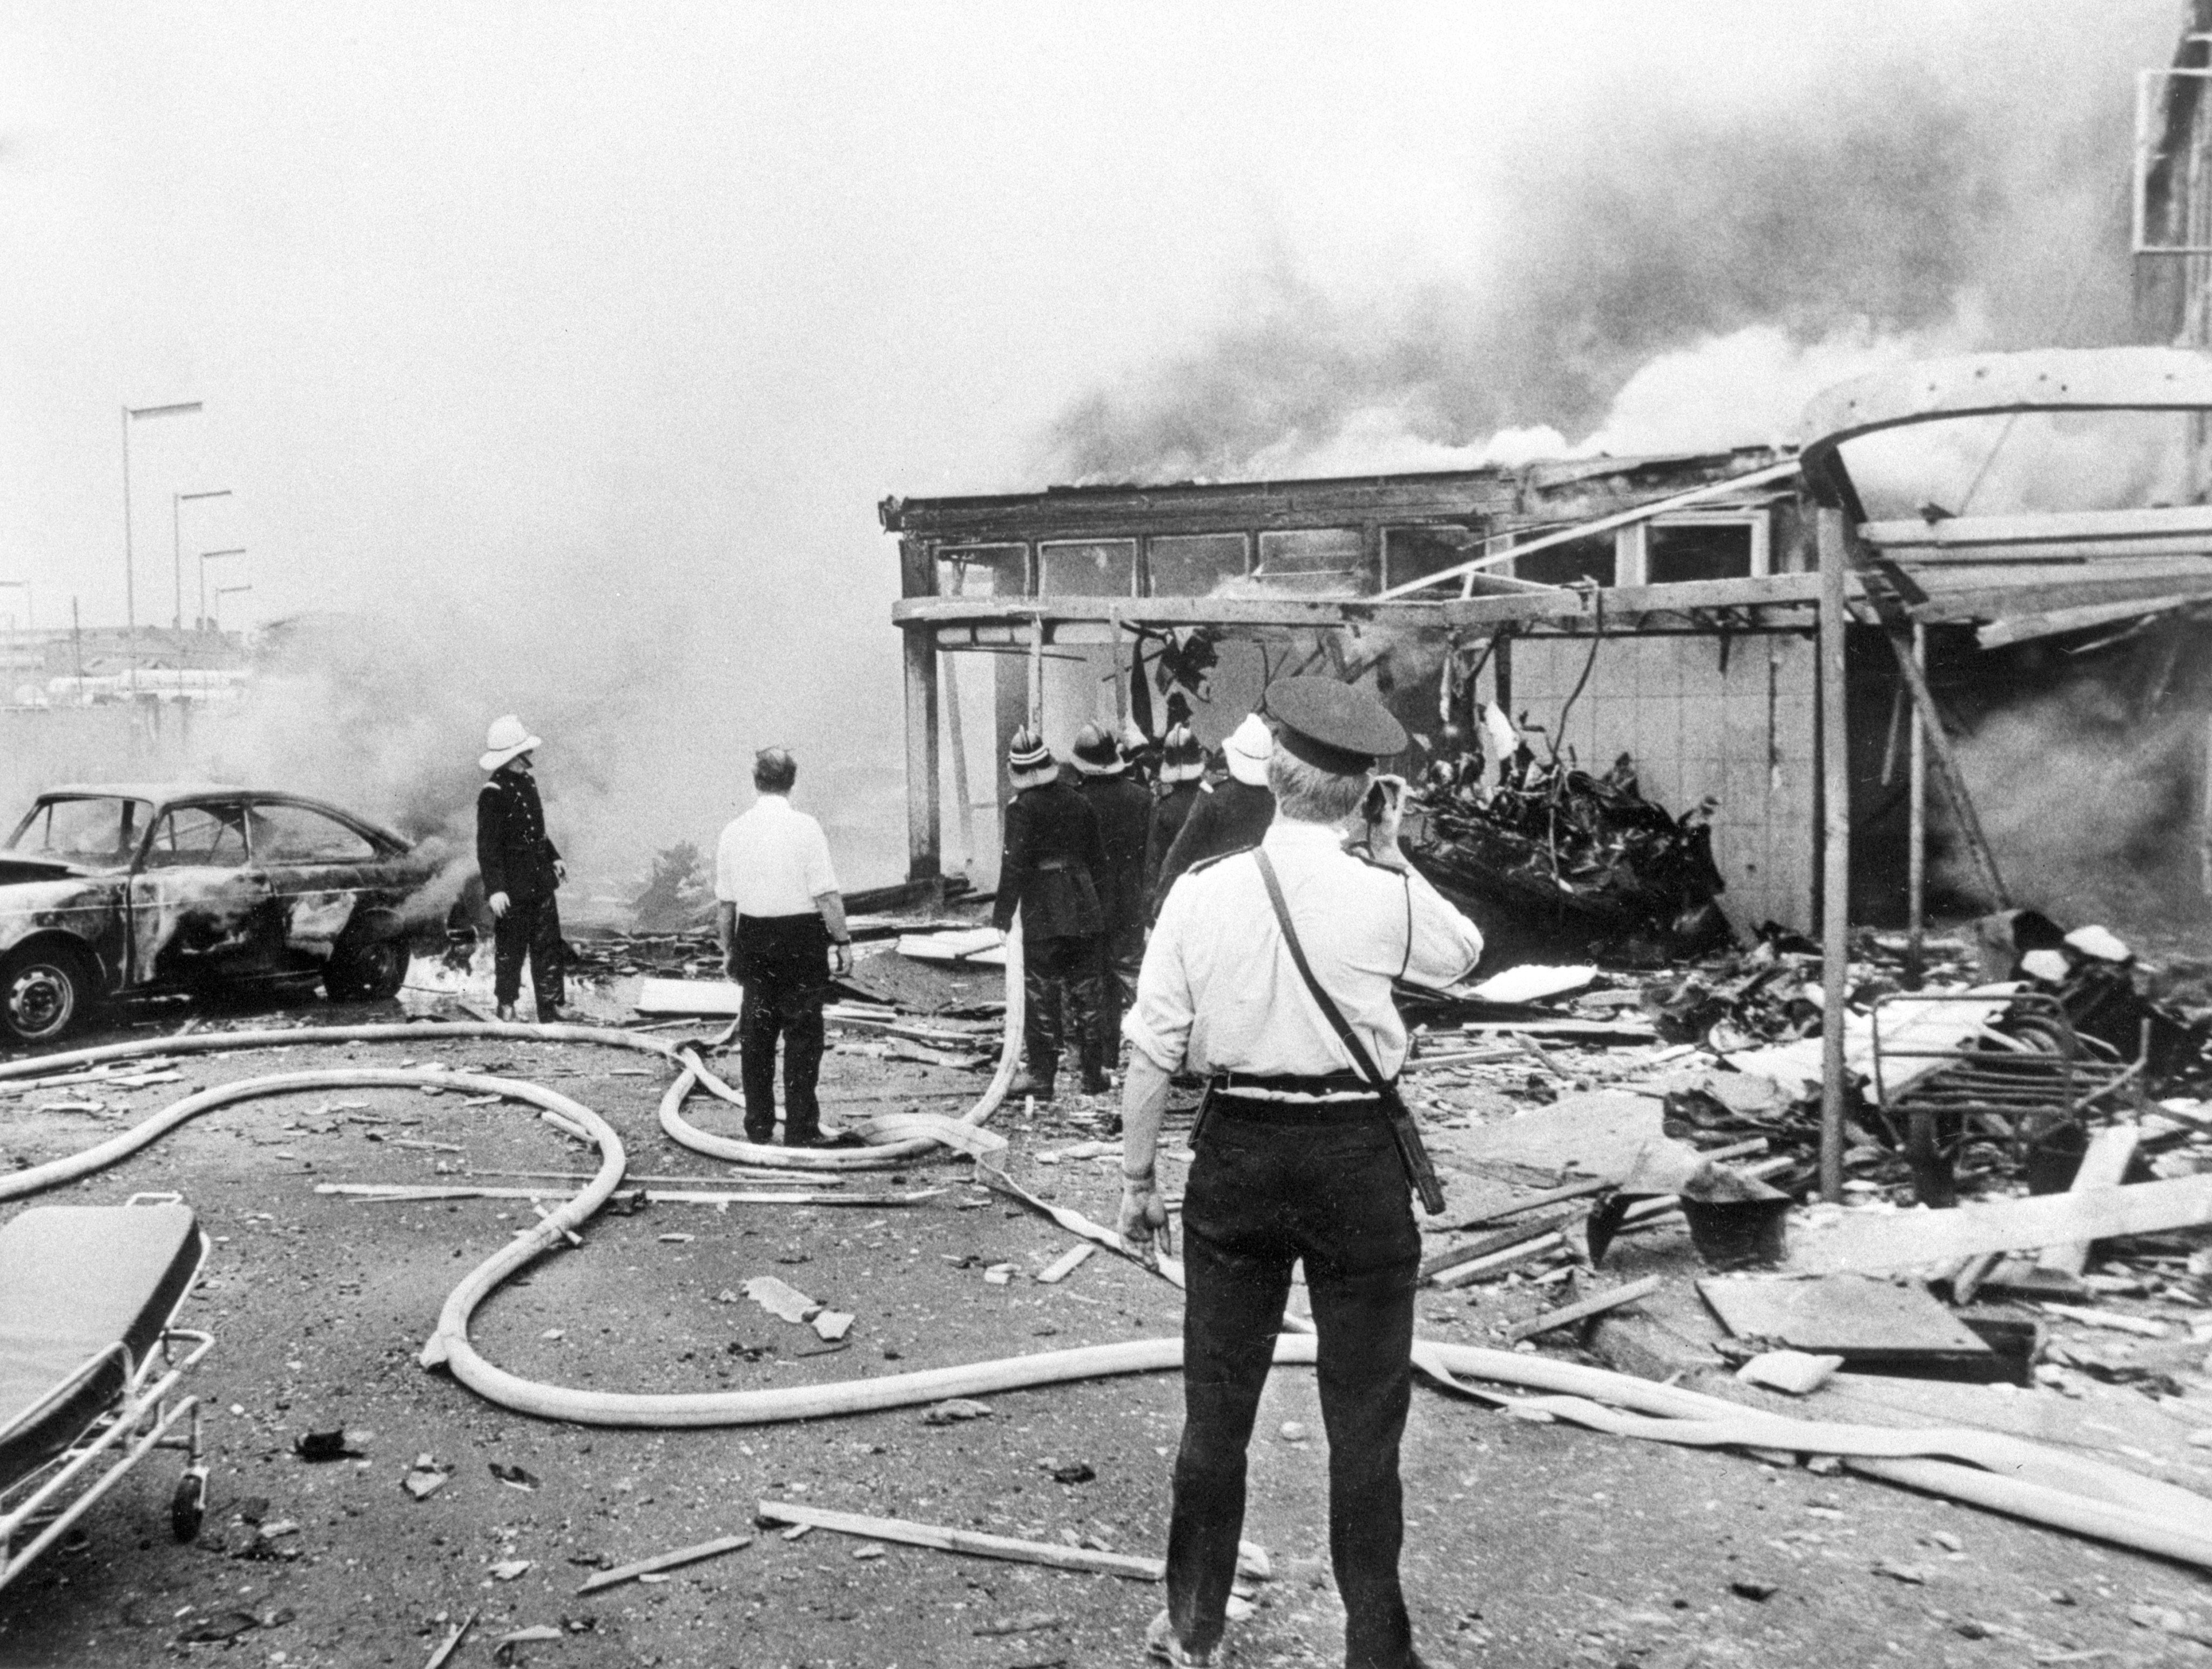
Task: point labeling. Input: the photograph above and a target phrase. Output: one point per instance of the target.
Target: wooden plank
(1952, 532)
(1497, 1262)
(1066, 1264)
(2025, 628)
(1551, 1320)
(1445, 1260)
(923, 789)
(1573, 1190)
(948, 1540)
(1876, 1240)
(682, 1556)
(1835, 845)
(689, 997)
(2103, 1165)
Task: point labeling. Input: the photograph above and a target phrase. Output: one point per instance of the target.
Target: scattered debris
(1597, 1304)
(1066, 1264)
(425, 1478)
(1797, 1372)
(660, 1561)
(955, 1411)
(831, 1325)
(949, 1540)
(780, 1298)
(451, 1641)
(515, 1477)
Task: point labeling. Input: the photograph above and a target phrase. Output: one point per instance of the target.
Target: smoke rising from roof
(1847, 216)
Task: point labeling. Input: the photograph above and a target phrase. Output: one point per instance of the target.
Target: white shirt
(773, 861)
(1220, 993)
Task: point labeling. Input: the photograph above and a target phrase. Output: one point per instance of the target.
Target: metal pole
(130, 592)
(177, 554)
(1836, 853)
(1037, 677)
(1915, 850)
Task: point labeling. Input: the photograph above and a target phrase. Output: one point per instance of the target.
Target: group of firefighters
(1242, 934)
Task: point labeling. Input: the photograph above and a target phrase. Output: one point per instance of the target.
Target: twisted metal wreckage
(2002, 1473)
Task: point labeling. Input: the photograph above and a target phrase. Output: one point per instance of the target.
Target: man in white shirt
(1295, 1158)
(782, 923)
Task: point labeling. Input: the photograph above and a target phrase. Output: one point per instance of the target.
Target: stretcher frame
(40, 1509)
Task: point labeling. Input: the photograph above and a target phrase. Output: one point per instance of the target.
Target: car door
(320, 870)
(201, 909)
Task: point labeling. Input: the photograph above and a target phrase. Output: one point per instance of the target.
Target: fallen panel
(1851, 1316)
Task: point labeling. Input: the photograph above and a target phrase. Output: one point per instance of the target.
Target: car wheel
(369, 971)
(42, 994)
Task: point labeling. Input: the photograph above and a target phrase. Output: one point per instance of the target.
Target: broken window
(1193, 564)
(210, 836)
(293, 834)
(981, 570)
(1320, 560)
(1414, 553)
(1578, 559)
(1087, 568)
(1675, 551)
(97, 829)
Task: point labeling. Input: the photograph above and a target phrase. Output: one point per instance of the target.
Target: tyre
(44, 990)
(188, 1507)
(367, 970)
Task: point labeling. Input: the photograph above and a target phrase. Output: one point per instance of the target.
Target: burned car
(109, 890)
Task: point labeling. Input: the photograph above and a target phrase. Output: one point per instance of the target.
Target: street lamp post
(221, 591)
(24, 585)
(207, 557)
(177, 502)
(179, 409)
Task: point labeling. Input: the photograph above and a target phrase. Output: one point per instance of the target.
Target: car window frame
(376, 853)
(133, 839)
(163, 812)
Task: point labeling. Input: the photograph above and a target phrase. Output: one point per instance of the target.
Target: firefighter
(521, 870)
(1048, 871)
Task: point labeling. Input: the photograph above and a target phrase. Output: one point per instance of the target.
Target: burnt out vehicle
(109, 890)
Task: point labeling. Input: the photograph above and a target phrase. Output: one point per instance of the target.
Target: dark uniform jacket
(1052, 855)
(1124, 811)
(513, 849)
(1169, 811)
(1229, 817)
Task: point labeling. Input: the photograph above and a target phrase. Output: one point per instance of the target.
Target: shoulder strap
(1327, 1004)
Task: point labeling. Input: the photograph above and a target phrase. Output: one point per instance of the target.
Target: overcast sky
(628, 314)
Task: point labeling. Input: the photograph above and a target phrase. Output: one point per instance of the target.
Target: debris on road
(660, 1561)
(948, 1540)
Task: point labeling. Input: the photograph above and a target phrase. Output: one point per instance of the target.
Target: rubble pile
(1578, 864)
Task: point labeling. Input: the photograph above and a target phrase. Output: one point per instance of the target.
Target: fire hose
(2006, 1474)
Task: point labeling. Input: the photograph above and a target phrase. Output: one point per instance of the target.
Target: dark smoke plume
(1891, 203)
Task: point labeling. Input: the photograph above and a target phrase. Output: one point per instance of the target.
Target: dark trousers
(784, 962)
(1123, 951)
(532, 927)
(1061, 995)
(1261, 1197)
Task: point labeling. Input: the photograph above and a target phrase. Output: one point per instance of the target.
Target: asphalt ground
(1529, 1543)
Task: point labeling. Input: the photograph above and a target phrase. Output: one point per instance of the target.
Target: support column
(924, 861)
(1916, 848)
(1836, 852)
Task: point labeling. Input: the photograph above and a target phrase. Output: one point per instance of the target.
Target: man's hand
(1384, 809)
(560, 870)
(840, 958)
(1144, 1227)
(498, 902)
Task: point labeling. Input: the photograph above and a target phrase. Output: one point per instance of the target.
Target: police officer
(520, 869)
(1048, 870)
(1296, 1160)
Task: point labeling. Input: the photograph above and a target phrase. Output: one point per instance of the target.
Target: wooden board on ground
(1874, 1240)
(690, 996)
(1602, 1133)
(2103, 1165)
(1852, 1316)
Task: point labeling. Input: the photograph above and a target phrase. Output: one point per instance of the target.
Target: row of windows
(1330, 560)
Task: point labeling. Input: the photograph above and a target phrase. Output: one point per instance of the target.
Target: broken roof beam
(2025, 628)
(1996, 385)
(2187, 528)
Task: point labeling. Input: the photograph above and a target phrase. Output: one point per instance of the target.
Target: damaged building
(1648, 623)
